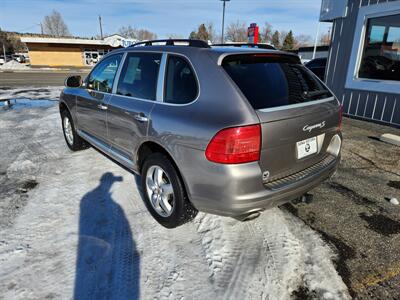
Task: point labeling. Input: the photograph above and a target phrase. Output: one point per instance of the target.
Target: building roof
(42, 40)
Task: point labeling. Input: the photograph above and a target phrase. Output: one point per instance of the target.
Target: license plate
(306, 147)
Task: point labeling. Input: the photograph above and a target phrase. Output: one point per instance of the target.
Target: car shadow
(108, 264)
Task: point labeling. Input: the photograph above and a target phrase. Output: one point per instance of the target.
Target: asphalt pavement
(352, 212)
(37, 78)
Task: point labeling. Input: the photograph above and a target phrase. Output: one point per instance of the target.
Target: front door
(129, 110)
(94, 96)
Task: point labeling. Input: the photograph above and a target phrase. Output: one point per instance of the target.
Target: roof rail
(250, 45)
(171, 42)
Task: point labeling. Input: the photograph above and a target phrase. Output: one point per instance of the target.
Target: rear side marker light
(235, 145)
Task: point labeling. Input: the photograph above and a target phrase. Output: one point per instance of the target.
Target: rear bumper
(233, 190)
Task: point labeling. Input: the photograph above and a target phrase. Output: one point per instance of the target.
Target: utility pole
(223, 20)
(41, 27)
(101, 27)
(4, 52)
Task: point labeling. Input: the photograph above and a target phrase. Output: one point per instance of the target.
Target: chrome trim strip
(121, 158)
(93, 140)
(285, 107)
(161, 79)
(107, 150)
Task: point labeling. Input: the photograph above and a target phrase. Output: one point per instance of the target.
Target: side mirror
(73, 81)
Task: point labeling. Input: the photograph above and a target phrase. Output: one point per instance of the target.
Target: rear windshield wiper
(312, 94)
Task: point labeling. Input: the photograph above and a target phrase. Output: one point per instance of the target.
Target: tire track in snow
(211, 257)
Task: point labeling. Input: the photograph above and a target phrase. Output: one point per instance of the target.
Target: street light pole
(223, 20)
(4, 52)
(316, 41)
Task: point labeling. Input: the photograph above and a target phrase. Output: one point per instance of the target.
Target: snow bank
(13, 65)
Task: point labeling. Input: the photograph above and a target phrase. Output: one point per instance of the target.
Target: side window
(139, 76)
(102, 77)
(180, 83)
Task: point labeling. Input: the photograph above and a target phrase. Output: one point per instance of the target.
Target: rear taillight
(340, 116)
(235, 145)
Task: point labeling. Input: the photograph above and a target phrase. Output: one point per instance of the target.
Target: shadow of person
(108, 264)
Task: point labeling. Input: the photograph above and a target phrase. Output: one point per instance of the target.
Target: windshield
(271, 80)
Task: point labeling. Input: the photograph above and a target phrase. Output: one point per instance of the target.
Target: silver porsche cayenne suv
(224, 130)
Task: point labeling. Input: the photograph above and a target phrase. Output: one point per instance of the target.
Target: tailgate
(296, 138)
(298, 114)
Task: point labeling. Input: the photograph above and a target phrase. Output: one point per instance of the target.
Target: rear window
(270, 80)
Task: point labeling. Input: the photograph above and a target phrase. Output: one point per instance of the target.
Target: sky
(164, 17)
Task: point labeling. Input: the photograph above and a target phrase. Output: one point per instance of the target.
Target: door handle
(141, 117)
(102, 107)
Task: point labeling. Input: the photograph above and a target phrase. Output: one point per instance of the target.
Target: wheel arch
(149, 147)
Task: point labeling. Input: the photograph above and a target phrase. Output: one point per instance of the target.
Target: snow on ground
(84, 232)
(14, 65)
(49, 93)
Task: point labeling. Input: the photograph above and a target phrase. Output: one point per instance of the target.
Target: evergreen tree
(289, 42)
(201, 34)
(275, 39)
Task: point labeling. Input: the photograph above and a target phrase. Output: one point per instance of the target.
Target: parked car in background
(19, 58)
(318, 66)
(225, 130)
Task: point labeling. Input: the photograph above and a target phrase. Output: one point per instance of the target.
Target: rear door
(129, 109)
(298, 115)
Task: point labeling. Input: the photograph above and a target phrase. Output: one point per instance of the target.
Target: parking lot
(53, 241)
(353, 213)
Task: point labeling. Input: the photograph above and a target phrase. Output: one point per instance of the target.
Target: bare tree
(54, 24)
(266, 33)
(174, 36)
(11, 41)
(145, 35)
(236, 32)
(212, 33)
(325, 39)
(128, 32)
(303, 40)
(137, 34)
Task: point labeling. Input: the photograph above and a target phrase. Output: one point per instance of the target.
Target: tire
(181, 210)
(73, 140)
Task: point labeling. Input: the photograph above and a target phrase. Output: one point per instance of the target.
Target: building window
(381, 55)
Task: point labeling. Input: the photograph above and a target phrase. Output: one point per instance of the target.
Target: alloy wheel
(160, 191)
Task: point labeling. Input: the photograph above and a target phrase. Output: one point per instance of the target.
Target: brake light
(340, 116)
(235, 145)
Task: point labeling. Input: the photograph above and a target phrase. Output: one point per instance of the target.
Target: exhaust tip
(248, 216)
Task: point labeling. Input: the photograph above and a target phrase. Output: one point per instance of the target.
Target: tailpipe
(249, 216)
